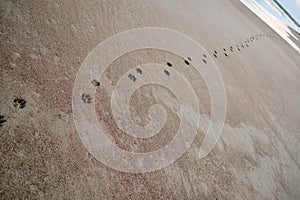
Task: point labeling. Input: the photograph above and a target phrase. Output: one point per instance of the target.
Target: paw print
(132, 77)
(215, 54)
(187, 62)
(138, 70)
(2, 120)
(167, 72)
(203, 59)
(96, 83)
(19, 103)
(86, 98)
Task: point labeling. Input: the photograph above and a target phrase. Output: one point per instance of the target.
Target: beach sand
(44, 43)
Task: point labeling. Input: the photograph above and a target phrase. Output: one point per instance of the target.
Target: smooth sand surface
(43, 44)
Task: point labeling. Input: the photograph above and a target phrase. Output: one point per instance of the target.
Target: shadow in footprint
(169, 64)
(132, 77)
(139, 71)
(186, 62)
(95, 83)
(86, 98)
(19, 103)
(167, 72)
(2, 120)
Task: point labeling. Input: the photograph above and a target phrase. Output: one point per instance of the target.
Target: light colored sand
(43, 44)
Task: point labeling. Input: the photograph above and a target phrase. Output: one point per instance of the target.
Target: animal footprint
(96, 83)
(86, 98)
(167, 72)
(19, 103)
(138, 70)
(2, 120)
(132, 77)
(169, 64)
(215, 54)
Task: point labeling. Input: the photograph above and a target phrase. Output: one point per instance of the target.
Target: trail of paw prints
(86, 98)
(17, 103)
(187, 61)
(240, 46)
(133, 76)
(2, 120)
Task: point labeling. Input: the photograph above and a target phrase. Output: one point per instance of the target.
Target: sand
(43, 45)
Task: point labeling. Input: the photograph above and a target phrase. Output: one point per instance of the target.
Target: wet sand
(43, 44)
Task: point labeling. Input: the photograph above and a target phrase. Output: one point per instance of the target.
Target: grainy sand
(43, 44)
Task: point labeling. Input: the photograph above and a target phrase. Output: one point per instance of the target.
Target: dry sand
(43, 44)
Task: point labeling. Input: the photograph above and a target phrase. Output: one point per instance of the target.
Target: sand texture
(43, 45)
